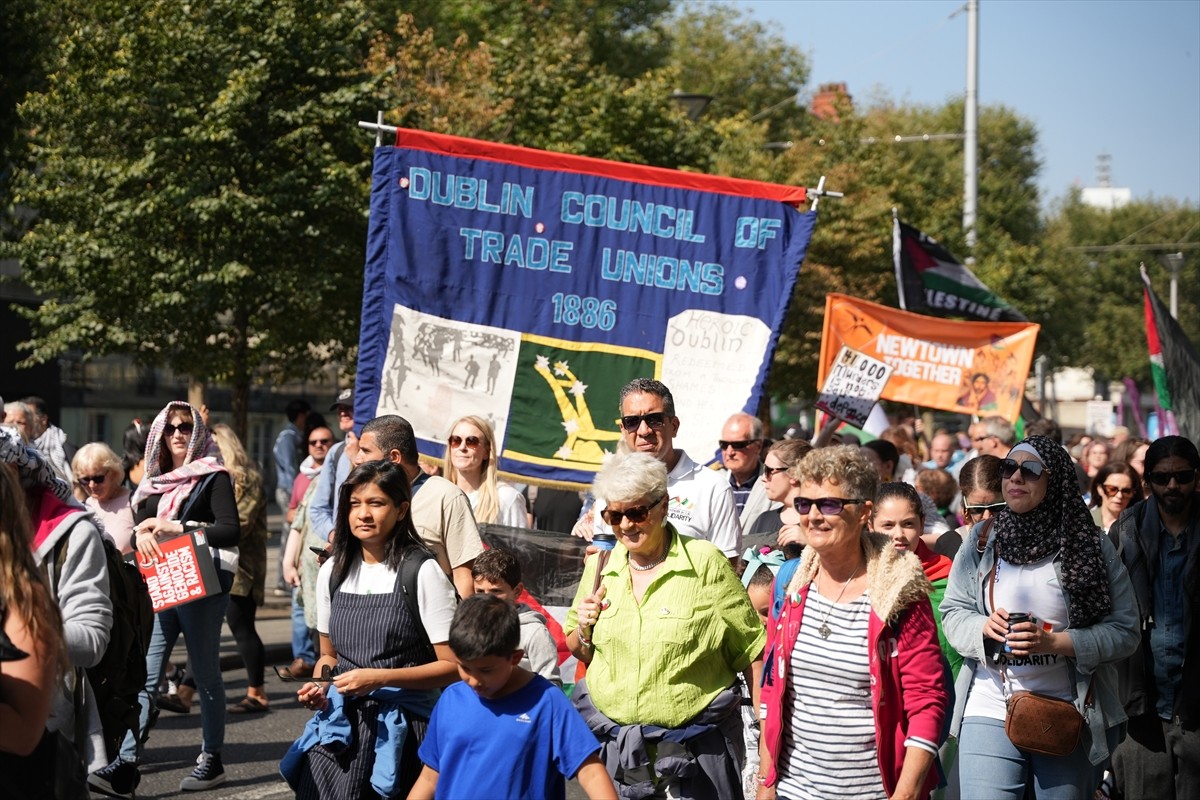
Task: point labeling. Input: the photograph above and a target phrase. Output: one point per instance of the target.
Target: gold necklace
(824, 629)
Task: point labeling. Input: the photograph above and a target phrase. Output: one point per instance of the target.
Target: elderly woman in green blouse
(664, 632)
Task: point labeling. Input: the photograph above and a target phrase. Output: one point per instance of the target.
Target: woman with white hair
(665, 628)
(100, 476)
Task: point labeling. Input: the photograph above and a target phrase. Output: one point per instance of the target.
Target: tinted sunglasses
(471, 441)
(316, 442)
(655, 420)
(829, 506)
(1181, 477)
(635, 514)
(769, 472)
(185, 428)
(96, 479)
(1113, 491)
(742, 445)
(1030, 470)
(992, 507)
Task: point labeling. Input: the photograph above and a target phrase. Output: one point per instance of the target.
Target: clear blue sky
(1109, 76)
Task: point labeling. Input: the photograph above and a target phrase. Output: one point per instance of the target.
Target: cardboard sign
(853, 386)
(185, 573)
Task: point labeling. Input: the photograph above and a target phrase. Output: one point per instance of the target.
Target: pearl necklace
(639, 568)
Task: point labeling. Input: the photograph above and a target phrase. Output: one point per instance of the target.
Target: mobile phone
(320, 551)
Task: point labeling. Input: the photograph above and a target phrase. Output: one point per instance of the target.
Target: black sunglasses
(96, 479)
(742, 445)
(471, 441)
(317, 442)
(635, 514)
(185, 428)
(1181, 477)
(829, 506)
(655, 419)
(992, 507)
(1030, 470)
(769, 472)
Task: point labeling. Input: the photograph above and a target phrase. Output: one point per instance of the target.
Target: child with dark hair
(504, 731)
(497, 572)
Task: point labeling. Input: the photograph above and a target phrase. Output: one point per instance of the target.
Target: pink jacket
(908, 676)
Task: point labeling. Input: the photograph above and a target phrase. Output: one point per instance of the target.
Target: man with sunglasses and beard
(1160, 545)
(701, 502)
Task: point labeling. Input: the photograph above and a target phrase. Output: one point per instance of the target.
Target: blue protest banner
(526, 287)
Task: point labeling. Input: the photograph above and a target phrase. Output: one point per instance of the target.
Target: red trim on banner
(585, 165)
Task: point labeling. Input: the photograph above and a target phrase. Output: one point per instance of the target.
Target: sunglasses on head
(1030, 470)
(185, 428)
(992, 507)
(1181, 477)
(96, 479)
(470, 441)
(829, 506)
(742, 445)
(1113, 491)
(318, 442)
(655, 420)
(635, 514)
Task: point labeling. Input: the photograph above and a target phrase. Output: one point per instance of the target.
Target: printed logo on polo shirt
(681, 509)
(525, 718)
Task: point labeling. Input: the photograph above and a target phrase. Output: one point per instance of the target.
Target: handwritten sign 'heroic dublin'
(527, 287)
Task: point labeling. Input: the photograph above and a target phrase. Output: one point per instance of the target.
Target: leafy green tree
(24, 44)
(201, 187)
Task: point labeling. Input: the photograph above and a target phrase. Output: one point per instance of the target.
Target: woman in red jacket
(854, 694)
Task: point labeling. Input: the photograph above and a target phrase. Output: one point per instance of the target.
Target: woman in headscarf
(1041, 556)
(185, 488)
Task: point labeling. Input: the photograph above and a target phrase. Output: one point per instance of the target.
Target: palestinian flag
(1173, 363)
(932, 281)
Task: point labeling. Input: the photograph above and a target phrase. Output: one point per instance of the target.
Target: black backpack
(121, 673)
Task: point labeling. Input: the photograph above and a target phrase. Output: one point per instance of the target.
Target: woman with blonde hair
(33, 657)
(471, 465)
(248, 592)
(100, 475)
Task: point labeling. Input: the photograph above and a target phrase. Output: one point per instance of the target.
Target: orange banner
(969, 367)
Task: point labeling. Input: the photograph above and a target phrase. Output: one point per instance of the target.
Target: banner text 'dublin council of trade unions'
(975, 368)
(527, 287)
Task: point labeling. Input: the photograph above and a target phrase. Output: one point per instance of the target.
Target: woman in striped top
(853, 694)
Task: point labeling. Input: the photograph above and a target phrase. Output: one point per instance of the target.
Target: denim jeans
(302, 643)
(200, 623)
(991, 766)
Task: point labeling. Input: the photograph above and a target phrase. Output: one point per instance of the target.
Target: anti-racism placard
(969, 367)
(527, 287)
(185, 573)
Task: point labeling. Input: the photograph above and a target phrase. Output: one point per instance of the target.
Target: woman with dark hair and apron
(383, 651)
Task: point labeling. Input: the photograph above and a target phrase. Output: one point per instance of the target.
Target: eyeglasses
(471, 441)
(320, 442)
(829, 506)
(1181, 477)
(633, 422)
(185, 428)
(635, 514)
(980, 510)
(96, 479)
(1030, 470)
(769, 472)
(1113, 491)
(978, 439)
(742, 445)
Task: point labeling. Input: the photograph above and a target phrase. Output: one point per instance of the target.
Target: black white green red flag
(932, 281)
(1174, 364)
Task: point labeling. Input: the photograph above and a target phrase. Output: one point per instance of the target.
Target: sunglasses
(635, 514)
(1179, 476)
(471, 441)
(769, 472)
(655, 420)
(320, 442)
(742, 445)
(185, 428)
(1030, 470)
(829, 506)
(1113, 491)
(979, 510)
(96, 479)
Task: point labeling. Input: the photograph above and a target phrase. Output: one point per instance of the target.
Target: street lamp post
(1173, 262)
(692, 104)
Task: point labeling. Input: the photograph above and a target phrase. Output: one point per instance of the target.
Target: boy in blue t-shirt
(503, 731)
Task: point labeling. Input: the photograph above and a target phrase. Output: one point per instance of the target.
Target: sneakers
(118, 779)
(207, 774)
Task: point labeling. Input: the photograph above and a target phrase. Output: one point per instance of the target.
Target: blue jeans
(991, 766)
(200, 623)
(302, 643)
